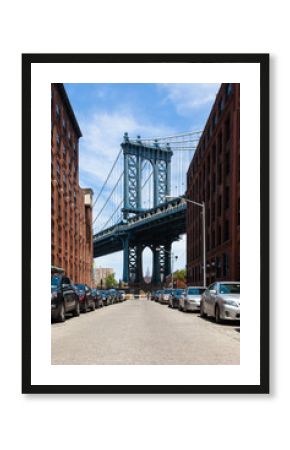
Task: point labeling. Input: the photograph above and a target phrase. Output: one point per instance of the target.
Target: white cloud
(99, 147)
(103, 134)
(190, 97)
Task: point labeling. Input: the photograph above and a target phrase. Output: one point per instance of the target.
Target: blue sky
(105, 111)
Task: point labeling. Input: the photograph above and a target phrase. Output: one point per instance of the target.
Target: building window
(229, 89)
(220, 144)
(218, 266)
(63, 124)
(228, 129)
(219, 173)
(213, 239)
(208, 216)
(228, 163)
(208, 133)
(225, 264)
(227, 197)
(220, 106)
(214, 121)
(57, 140)
(219, 205)
(219, 236)
(226, 231)
(214, 154)
(57, 111)
(213, 182)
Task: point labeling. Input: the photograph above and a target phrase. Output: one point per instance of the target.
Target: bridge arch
(147, 264)
(147, 184)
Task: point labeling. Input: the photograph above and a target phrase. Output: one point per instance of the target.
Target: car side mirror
(213, 291)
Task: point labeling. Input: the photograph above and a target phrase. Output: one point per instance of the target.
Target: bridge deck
(153, 226)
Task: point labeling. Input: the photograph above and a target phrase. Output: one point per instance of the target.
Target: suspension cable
(106, 202)
(116, 210)
(108, 176)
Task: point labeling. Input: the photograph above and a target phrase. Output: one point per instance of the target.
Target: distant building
(214, 177)
(71, 206)
(147, 277)
(100, 275)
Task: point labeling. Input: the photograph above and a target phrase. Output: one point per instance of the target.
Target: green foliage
(180, 275)
(111, 282)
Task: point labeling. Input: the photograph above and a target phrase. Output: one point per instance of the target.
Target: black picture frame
(27, 61)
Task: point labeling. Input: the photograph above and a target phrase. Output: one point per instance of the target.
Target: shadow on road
(229, 323)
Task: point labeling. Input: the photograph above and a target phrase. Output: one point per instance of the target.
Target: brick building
(100, 275)
(214, 177)
(71, 206)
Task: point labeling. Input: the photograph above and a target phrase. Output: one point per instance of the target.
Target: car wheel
(93, 307)
(85, 307)
(76, 312)
(61, 313)
(217, 314)
(202, 313)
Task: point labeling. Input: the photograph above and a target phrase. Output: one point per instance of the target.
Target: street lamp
(202, 206)
(172, 261)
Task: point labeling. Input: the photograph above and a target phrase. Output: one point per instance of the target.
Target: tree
(111, 281)
(180, 275)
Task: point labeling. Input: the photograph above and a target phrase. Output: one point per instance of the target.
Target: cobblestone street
(144, 332)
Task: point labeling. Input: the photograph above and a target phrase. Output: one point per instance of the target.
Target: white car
(190, 300)
(222, 301)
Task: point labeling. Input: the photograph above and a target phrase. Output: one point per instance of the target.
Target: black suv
(63, 298)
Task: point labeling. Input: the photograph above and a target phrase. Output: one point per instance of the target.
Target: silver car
(190, 300)
(222, 301)
(165, 296)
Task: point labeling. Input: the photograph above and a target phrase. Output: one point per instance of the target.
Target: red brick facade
(214, 177)
(71, 212)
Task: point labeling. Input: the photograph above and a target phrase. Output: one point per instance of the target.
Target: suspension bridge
(140, 203)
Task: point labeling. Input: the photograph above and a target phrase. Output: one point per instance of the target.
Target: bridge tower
(135, 152)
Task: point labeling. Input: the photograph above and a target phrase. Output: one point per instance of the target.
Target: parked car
(190, 300)
(121, 296)
(114, 296)
(158, 296)
(104, 297)
(222, 301)
(175, 297)
(165, 296)
(64, 298)
(86, 299)
(98, 299)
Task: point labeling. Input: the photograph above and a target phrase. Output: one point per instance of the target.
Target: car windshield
(195, 291)
(54, 281)
(80, 286)
(179, 291)
(167, 291)
(233, 288)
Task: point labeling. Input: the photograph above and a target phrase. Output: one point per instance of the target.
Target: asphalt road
(143, 332)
